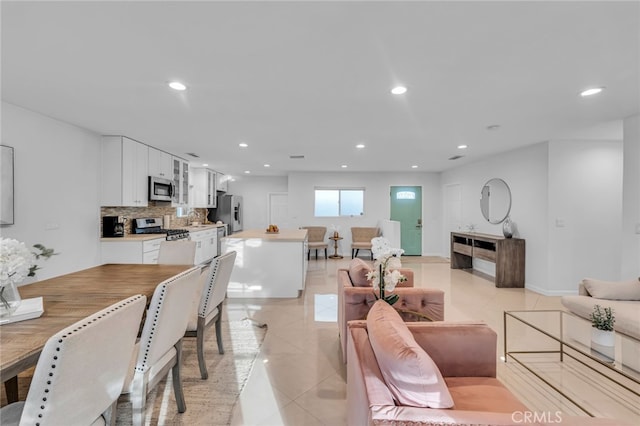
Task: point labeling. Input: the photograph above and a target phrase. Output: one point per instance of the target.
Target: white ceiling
(313, 78)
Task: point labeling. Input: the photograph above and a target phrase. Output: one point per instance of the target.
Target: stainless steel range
(153, 225)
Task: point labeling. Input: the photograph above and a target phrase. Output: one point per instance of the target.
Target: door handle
(419, 225)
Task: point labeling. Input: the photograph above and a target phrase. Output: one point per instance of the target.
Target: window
(339, 202)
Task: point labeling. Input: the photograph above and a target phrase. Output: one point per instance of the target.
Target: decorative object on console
(507, 228)
(17, 262)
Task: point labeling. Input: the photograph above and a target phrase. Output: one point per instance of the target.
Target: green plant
(602, 318)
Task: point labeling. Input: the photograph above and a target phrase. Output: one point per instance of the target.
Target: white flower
(16, 261)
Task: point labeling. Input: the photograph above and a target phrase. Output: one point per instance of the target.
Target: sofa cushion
(358, 270)
(482, 394)
(410, 373)
(613, 290)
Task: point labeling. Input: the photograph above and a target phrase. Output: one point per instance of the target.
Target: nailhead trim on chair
(69, 333)
(212, 275)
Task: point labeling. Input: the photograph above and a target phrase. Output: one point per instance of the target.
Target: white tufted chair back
(167, 317)
(180, 252)
(81, 369)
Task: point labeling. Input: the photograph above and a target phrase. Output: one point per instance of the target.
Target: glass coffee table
(531, 336)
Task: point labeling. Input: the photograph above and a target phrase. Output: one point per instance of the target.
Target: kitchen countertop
(283, 235)
(147, 237)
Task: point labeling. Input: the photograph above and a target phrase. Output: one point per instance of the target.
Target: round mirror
(495, 200)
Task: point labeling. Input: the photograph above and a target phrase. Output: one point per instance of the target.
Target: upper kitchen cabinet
(160, 164)
(221, 182)
(180, 173)
(125, 172)
(203, 189)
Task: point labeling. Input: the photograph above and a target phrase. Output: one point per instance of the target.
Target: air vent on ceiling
(194, 155)
(296, 157)
(455, 157)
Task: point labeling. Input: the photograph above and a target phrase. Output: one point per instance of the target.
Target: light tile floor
(299, 377)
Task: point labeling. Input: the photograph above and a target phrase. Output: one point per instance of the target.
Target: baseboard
(546, 292)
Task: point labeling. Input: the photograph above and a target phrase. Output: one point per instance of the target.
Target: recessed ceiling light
(414, 166)
(344, 166)
(399, 90)
(360, 146)
(493, 127)
(462, 147)
(592, 91)
(267, 165)
(176, 85)
(247, 171)
(243, 145)
(205, 165)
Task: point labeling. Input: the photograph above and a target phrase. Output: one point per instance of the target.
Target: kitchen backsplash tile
(150, 211)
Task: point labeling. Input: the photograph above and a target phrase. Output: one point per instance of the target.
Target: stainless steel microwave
(160, 189)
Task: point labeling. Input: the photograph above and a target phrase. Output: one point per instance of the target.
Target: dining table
(67, 299)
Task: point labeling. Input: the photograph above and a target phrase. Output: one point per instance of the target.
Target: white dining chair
(81, 370)
(214, 291)
(180, 252)
(159, 349)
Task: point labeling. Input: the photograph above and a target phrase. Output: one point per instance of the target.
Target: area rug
(209, 402)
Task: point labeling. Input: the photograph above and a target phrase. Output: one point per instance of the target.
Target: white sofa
(623, 297)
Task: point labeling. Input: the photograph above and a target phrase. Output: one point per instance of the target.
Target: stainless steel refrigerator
(229, 211)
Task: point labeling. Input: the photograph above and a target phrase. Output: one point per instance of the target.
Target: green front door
(406, 208)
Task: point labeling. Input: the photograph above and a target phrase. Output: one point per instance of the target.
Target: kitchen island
(267, 265)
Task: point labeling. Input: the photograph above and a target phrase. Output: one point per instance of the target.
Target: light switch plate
(637, 228)
(559, 223)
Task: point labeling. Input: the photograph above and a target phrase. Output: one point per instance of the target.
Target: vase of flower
(17, 263)
(507, 227)
(9, 298)
(385, 275)
(603, 338)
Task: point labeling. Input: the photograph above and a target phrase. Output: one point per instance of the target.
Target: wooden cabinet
(221, 182)
(160, 163)
(180, 177)
(507, 253)
(203, 189)
(125, 172)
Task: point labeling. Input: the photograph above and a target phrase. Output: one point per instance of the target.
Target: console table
(507, 253)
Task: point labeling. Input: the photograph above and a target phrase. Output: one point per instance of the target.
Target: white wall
(584, 218)
(57, 183)
(376, 202)
(255, 197)
(525, 171)
(630, 264)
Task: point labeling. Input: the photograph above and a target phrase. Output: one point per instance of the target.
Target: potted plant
(602, 321)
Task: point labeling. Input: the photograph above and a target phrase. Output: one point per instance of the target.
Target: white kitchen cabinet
(160, 163)
(131, 251)
(180, 176)
(203, 188)
(125, 172)
(206, 244)
(221, 182)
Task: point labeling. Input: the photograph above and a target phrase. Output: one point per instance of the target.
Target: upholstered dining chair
(180, 252)
(81, 370)
(160, 346)
(209, 311)
(315, 239)
(361, 239)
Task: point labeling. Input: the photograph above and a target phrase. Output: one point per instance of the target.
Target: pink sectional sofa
(354, 302)
(465, 354)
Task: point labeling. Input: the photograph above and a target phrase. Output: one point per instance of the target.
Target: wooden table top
(70, 298)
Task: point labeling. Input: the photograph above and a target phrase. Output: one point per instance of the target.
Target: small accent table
(335, 254)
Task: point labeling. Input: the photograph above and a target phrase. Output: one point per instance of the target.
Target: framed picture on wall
(6, 185)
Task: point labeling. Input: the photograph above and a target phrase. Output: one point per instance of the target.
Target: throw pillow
(613, 290)
(358, 270)
(409, 372)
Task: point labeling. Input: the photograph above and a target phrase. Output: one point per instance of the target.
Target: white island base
(267, 265)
